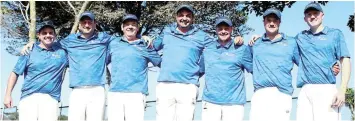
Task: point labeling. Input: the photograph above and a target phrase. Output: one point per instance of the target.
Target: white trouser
(125, 106)
(269, 104)
(215, 112)
(86, 103)
(314, 103)
(175, 101)
(38, 107)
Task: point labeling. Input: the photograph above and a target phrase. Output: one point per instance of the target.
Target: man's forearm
(345, 73)
(11, 83)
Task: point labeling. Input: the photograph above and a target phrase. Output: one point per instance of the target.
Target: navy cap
(44, 25)
(272, 11)
(223, 20)
(88, 14)
(186, 7)
(312, 5)
(130, 17)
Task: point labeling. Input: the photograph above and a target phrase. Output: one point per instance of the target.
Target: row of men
(189, 53)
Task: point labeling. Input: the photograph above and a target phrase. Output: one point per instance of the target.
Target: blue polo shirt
(224, 73)
(181, 54)
(273, 62)
(129, 65)
(87, 59)
(319, 52)
(42, 70)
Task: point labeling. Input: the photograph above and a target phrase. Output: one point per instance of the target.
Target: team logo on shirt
(283, 43)
(94, 41)
(55, 55)
(229, 54)
(322, 38)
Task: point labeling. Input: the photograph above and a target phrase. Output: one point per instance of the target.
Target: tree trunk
(32, 32)
(77, 17)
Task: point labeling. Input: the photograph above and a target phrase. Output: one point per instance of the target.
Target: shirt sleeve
(158, 42)
(110, 48)
(63, 43)
(341, 50)
(202, 65)
(154, 57)
(296, 54)
(208, 41)
(21, 65)
(248, 59)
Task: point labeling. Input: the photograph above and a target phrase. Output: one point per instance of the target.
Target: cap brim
(311, 8)
(223, 22)
(272, 13)
(130, 19)
(88, 16)
(46, 26)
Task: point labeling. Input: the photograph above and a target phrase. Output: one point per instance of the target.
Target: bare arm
(339, 98)
(345, 75)
(10, 86)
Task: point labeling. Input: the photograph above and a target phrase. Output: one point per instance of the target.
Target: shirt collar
(78, 35)
(227, 45)
(265, 38)
(324, 31)
(135, 42)
(173, 28)
(42, 49)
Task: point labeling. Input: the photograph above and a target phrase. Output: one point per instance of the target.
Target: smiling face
(184, 18)
(46, 36)
(224, 32)
(272, 24)
(313, 18)
(130, 28)
(87, 26)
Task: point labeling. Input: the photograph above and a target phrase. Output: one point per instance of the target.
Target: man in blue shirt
(223, 63)
(129, 60)
(320, 47)
(274, 56)
(43, 77)
(177, 88)
(87, 51)
(182, 44)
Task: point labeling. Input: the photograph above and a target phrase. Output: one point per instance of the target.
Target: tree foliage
(258, 7)
(351, 23)
(153, 15)
(62, 117)
(349, 101)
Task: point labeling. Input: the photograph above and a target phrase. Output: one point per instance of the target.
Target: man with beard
(87, 52)
(43, 77)
(129, 60)
(177, 87)
(223, 63)
(272, 99)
